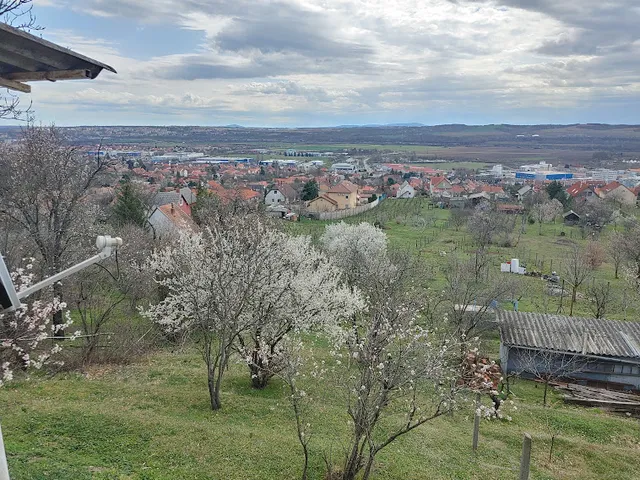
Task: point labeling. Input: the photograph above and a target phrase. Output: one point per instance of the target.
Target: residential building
(172, 198)
(439, 185)
(406, 191)
(583, 191)
(281, 195)
(321, 204)
(617, 193)
(345, 194)
(168, 220)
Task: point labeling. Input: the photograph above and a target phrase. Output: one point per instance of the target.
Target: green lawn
(151, 420)
(412, 225)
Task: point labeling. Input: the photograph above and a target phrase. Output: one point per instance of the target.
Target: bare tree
(616, 250)
(48, 206)
(105, 293)
(575, 270)
(594, 216)
(549, 366)
(546, 212)
(600, 297)
(470, 291)
(488, 226)
(594, 254)
(631, 249)
(458, 217)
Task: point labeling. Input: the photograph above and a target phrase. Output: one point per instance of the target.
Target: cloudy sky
(332, 62)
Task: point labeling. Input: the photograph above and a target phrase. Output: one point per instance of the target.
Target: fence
(345, 213)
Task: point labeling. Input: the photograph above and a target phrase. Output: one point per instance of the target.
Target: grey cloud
(595, 27)
(259, 65)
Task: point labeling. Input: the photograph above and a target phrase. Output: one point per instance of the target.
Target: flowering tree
(391, 364)
(211, 279)
(388, 360)
(546, 212)
(300, 291)
(44, 190)
(359, 250)
(23, 332)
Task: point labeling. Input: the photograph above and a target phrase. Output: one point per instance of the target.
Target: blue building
(542, 176)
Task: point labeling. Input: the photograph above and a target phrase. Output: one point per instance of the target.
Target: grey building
(608, 349)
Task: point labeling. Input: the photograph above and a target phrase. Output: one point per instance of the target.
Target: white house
(274, 197)
(282, 194)
(406, 191)
(168, 220)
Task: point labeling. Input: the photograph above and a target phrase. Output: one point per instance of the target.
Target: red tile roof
(324, 197)
(344, 187)
(436, 181)
(491, 189)
(178, 217)
(579, 187)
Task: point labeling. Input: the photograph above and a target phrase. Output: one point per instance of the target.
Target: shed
(610, 349)
(571, 218)
(26, 58)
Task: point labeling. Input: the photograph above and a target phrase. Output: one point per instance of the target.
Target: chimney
(173, 209)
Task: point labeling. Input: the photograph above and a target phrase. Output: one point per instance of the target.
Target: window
(617, 369)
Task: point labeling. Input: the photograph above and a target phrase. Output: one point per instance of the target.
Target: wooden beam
(11, 85)
(20, 61)
(42, 57)
(51, 76)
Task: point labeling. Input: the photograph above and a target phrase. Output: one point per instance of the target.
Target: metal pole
(4, 469)
(525, 460)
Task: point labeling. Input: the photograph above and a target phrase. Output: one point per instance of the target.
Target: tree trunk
(544, 399)
(259, 375)
(369, 466)
(354, 461)
(214, 390)
(574, 292)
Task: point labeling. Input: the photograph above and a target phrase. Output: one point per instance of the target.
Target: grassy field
(414, 225)
(151, 420)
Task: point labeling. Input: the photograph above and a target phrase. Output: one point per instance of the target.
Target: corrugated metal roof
(589, 336)
(25, 57)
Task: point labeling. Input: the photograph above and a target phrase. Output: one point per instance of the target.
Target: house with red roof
(345, 194)
(167, 220)
(617, 193)
(439, 185)
(583, 191)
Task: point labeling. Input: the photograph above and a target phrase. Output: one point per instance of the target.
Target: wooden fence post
(476, 423)
(4, 469)
(525, 460)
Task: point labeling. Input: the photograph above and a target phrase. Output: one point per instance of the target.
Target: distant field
(454, 165)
